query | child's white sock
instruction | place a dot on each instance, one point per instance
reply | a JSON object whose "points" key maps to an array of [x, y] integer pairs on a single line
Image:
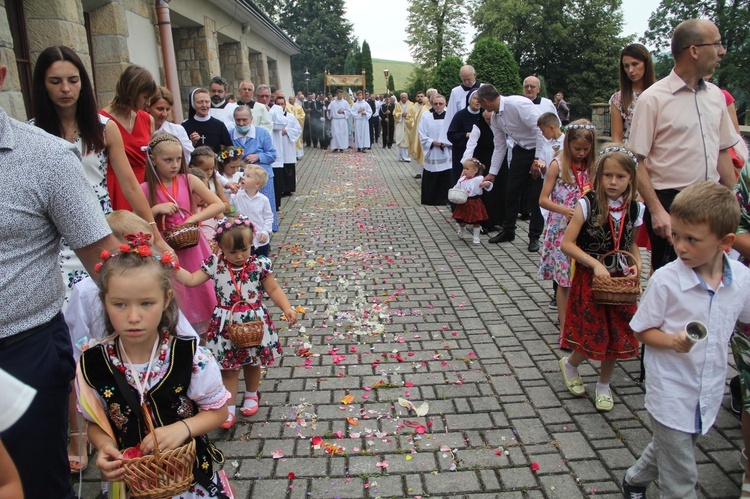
{"points": [[571, 371], [476, 239], [249, 403], [461, 231], [602, 388], [232, 409]]}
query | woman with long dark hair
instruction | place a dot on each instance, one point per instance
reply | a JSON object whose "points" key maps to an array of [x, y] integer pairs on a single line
{"points": [[636, 75], [66, 107]]}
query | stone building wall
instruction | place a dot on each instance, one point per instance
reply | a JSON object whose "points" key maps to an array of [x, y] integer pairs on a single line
{"points": [[11, 99]]}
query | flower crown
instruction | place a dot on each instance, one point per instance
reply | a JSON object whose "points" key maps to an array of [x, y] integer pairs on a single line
{"points": [[616, 149], [139, 244], [581, 127], [230, 153], [226, 224]]}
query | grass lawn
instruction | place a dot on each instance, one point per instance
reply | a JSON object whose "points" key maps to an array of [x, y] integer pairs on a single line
{"points": [[399, 69]]}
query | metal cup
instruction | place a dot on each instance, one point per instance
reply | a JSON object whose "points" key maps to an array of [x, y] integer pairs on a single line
{"points": [[696, 331]]}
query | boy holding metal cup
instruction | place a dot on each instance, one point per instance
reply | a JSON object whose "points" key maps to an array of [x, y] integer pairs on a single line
{"points": [[685, 382]]}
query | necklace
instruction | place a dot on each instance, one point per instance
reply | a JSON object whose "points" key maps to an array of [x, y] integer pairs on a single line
{"points": [[135, 378]]}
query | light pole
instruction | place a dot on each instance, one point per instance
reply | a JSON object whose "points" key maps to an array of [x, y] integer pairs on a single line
{"points": [[309, 105], [387, 112]]}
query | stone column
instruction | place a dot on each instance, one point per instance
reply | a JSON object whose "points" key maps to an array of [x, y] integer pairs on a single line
{"points": [[109, 40], [197, 57], [231, 59], [273, 74], [56, 23], [258, 68], [11, 98]]}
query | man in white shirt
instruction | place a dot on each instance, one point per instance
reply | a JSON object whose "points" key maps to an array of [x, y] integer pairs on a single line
{"points": [[514, 117], [286, 131]]}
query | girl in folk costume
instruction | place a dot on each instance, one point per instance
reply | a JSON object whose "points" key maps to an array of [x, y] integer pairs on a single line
{"points": [[566, 180], [172, 193], [436, 178], [473, 210], [240, 279], [604, 220], [230, 163], [142, 366]]}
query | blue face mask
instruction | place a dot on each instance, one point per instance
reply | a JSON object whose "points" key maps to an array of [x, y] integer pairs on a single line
{"points": [[243, 129]]}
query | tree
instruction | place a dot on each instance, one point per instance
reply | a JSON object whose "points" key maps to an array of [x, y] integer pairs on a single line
{"points": [[322, 33], [434, 30], [353, 62], [574, 44], [367, 67], [494, 64], [732, 17], [391, 83], [446, 75], [419, 80]]}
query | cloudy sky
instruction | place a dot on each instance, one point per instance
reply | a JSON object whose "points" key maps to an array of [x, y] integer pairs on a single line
{"points": [[383, 24]]}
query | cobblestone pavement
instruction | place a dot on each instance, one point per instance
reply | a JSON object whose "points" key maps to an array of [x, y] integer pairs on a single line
{"points": [[400, 311]]}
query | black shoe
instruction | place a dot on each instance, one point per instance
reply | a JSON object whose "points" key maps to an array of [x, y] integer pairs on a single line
{"points": [[632, 492], [533, 245], [552, 304], [503, 237], [418, 175], [525, 217]]}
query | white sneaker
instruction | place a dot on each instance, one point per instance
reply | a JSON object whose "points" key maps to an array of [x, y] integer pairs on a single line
{"points": [[407, 160], [476, 240]]}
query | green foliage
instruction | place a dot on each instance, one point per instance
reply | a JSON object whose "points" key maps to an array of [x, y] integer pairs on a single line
{"points": [[434, 29], [353, 62], [366, 63], [732, 17], [419, 80], [391, 82], [494, 64], [322, 32], [446, 75], [573, 44]]}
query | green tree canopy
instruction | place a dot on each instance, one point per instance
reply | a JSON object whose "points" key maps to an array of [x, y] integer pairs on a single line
{"points": [[573, 44], [446, 75], [434, 30], [419, 80], [366, 63], [321, 31], [494, 64], [732, 17]]}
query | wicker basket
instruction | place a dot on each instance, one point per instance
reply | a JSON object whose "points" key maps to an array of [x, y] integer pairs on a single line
{"points": [[181, 236], [244, 334], [160, 475], [457, 196], [617, 290]]}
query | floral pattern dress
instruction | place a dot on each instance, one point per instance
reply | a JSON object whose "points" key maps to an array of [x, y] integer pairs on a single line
{"points": [[95, 168], [234, 284], [627, 114], [555, 265]]}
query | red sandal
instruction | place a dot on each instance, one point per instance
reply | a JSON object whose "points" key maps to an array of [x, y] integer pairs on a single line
{"points": [[250, 411]]}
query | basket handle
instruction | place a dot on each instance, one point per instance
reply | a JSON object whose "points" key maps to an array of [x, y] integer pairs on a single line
{"points": [[150, 428], [231, 311], [626, 252], [164, 217]]}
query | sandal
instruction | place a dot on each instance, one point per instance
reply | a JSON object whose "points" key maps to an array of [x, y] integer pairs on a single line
{"points": [[80, 463], [231, 419], [250, 411], [574, 385], [745, 492], [604, 402]]}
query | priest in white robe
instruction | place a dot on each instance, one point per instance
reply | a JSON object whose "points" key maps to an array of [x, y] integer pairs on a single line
{"points": [[459, 97], [436, 175], [338, 112], [403, 116], [286, 131], [361, 113]]}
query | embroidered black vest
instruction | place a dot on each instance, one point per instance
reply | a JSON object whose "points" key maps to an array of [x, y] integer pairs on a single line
{"points": [[596, 239], [167, 400]]}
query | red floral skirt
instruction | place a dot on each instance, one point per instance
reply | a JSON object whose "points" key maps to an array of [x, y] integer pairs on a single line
{"points": [[471, 212], [598, 331]]}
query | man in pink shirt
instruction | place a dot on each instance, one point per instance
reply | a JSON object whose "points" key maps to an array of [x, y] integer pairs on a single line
{"points": [[682, 129]]}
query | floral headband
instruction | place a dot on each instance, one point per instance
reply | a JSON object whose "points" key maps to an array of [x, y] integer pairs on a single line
{"points": [[230, 153], [581, 127], [226, 224], [616, 149], [139, 244]]}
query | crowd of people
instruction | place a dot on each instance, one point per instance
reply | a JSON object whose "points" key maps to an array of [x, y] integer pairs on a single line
{"points": [[185, 214]]}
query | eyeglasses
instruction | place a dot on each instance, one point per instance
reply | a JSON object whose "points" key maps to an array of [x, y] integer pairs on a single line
{"points": [[720, 43], [529, 86]]}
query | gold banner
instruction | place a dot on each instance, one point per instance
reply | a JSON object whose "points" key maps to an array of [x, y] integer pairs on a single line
{"points": [[351, 80]]}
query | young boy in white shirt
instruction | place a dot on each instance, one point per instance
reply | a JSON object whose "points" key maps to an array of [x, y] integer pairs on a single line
{"points": [[685, 381], [255, 206]]}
